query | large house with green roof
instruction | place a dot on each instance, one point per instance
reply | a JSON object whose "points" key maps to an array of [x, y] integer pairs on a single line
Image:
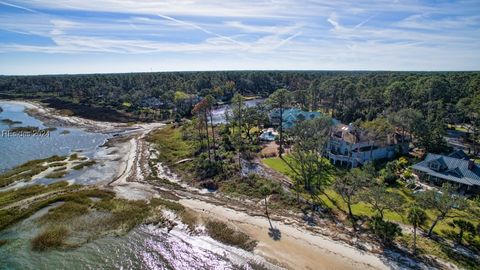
{"points": [[291, 116], [453, 168]]}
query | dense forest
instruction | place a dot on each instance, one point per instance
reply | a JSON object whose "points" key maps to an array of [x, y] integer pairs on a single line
{"points": [[378, 199], [348, 96]]}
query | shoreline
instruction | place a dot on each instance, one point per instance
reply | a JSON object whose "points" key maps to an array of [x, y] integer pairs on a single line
{"points": [[294, 249], [51, 117], [297, 247]]}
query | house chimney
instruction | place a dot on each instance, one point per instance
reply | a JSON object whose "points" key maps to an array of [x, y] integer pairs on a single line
{"points": [[471, 164]]}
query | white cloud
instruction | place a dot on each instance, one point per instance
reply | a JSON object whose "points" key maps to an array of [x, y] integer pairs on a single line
{"points": [[234, 8], [310, 34], [19, 7], [423, 21], [196, 26]]}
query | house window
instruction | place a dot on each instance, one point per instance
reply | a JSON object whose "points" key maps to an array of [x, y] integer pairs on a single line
{"points": [[433, 166]]}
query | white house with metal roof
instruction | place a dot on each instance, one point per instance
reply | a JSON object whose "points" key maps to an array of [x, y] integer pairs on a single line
{"points": [[439, 169]]}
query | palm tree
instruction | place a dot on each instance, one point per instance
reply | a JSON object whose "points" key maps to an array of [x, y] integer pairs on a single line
{"points": [[417, 217]]}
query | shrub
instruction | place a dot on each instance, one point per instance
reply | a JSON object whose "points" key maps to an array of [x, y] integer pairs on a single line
{"points": [[389, 173], [52, 238], [386, 231], [223, 233], [206, 168], [251, 186]]}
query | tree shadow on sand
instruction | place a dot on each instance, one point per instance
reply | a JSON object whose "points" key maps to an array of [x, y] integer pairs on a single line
{"points": [[273, 232]]}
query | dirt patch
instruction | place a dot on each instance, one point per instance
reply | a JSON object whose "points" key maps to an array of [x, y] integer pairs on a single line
{"points": [[270, 150]]}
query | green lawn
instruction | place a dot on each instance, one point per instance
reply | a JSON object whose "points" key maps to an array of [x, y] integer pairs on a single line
{"points": [[334, 201], [277, 164]]}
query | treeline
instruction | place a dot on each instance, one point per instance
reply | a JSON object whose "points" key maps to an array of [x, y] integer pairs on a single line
{"points": [[348, 96]]}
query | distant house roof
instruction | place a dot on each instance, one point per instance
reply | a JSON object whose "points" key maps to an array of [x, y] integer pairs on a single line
{"points": [[459, 154], [293, 115], [450, 168], [151, 102]]}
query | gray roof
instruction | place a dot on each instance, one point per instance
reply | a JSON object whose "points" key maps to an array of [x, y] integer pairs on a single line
{"points": [[455, 169], [459, 154]]}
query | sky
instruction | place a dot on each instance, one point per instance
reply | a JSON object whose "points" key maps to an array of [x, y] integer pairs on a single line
{"points": [[110, 36]]}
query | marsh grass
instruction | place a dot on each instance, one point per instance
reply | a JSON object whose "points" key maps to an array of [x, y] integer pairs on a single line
{"points": [[10, 122], [64, 212], [223, 233], [72, 219], [59, 169], [11, 196], [126, 215], [174, 206], [12, 215], [24, 129], [26, 171], [51, 238], [58, 164], [97, 193], [188, 218], [57, 173], [118, 215], [257, 266], [84, 164]]}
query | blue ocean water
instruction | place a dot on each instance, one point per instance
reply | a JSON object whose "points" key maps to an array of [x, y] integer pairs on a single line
{"points": [[15, 150]]}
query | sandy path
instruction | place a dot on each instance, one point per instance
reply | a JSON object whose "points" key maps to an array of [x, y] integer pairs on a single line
{"points": [[297, 248], [126, 185]]}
